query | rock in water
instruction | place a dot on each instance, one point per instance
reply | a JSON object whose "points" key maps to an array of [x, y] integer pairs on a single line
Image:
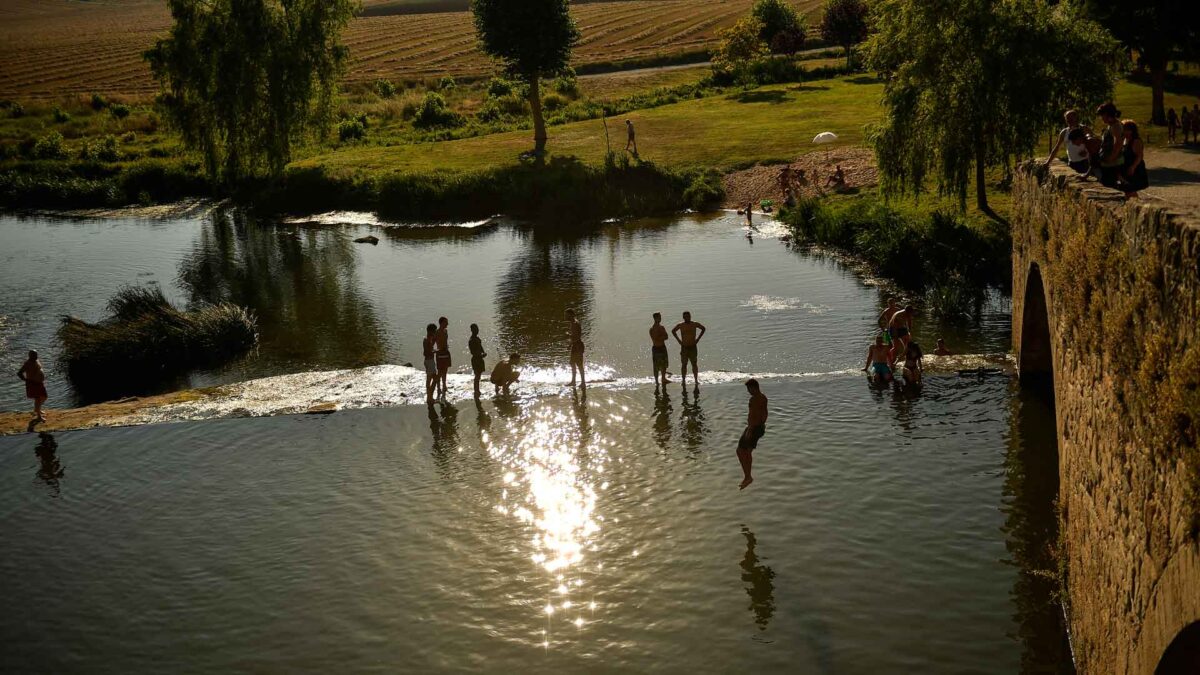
{"points": [[369, 239], [322, 409]]}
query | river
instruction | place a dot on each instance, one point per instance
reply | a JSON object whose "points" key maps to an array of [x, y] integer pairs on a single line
{"points": [[598, 530]]}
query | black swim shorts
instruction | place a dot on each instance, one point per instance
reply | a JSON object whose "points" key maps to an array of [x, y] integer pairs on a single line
{"points": [[749, 439]]}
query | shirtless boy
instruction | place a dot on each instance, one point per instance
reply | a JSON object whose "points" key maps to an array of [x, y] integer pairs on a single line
{"points": [[35, 383], [942, 350], [885, 318], [756, 428], [901, 325], [442, 340], [879, 360], [428, 347], [575, 338], [688, 333], [475, 346], [658, 351]]}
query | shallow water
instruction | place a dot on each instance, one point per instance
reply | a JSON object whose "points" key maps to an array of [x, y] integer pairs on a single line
{"points": [[886, 531]]}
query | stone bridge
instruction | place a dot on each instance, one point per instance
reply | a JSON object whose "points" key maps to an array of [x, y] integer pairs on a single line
{"points": [[1106, 319]]}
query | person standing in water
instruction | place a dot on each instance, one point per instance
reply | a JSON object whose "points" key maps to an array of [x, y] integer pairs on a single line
{"points": [[756, 428], [34, 377], [688, 333], [427, 353], [442, 340], [885, 319], [475, 346], [902, 326], [879, 359], [658, 351], [575, 338]]}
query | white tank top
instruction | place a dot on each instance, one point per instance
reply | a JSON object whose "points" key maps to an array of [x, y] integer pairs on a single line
{"points": [[1075, 153]]}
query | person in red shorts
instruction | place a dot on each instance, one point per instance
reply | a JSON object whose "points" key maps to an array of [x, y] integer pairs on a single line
{"points": [[35, 383]]}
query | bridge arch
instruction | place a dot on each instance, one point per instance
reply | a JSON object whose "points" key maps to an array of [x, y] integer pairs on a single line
{"points": [[1036, 353], [1183, 654]]}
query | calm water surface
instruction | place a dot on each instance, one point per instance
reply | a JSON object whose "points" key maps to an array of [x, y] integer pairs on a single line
{"points": [[886, 532]]}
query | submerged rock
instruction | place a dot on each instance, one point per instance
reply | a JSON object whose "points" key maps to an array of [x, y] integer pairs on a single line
{"points": [[369, 239]]}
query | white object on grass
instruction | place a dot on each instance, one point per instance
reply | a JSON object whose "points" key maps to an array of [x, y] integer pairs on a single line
{"points": [[825, 137]]}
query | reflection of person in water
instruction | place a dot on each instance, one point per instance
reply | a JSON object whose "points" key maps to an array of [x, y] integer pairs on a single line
{"points": [[760, 585], [579, 402], [49, 468], [662, 418], [445, 433], [692, 423]]}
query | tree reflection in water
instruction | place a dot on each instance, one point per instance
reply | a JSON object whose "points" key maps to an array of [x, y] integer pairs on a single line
{"points": [[760, 583], [302, 284], [1031, 525]]}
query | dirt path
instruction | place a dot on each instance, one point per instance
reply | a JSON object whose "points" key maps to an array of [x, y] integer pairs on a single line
{"points": [[762, 182], [1175, 175]]}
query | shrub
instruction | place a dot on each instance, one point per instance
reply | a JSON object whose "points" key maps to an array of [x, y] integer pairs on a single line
{"points": [[447, 83], [15, 109], [146, 339], [99, 102], [553, 102], [434, 112], [103, 150], [704, 191], [566, 85], [503, 108], [351, 130], [385, 88], [499, 87], [129, 137], [49, 146], [119, 110], [60, 116]]}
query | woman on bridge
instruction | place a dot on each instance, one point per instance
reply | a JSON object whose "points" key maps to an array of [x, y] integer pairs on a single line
{"points": [[1133, 177]]}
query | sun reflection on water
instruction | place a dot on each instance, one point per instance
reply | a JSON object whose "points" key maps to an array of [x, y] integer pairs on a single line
{"points": [[552, 462]]}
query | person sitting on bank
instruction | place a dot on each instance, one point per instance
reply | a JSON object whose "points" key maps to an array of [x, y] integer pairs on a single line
{"points": [[34, 377], [505, 373], [942, 350], [838, 179], [878, 360]]}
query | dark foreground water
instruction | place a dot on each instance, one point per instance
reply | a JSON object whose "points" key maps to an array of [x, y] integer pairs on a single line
{"points": [[887, 531]]}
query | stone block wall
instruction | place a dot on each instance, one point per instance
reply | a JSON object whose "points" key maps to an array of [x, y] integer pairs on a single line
{"points": [[1122, 296]]}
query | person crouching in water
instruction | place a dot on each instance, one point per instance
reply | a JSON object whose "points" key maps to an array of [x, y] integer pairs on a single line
{"points": [[756, 428], [878, 358], [913, 367], [505, 373]]}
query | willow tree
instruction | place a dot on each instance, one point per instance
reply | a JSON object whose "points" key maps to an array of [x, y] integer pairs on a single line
{"points": [[973, 84], [533, 39], [244, 80]]}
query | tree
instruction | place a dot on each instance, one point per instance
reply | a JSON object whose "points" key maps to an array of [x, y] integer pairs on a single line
{"points": [[1157, 30], [533, 39], [844, 23], [740, 46], [979, 90], [245, 79], [781, 27]]}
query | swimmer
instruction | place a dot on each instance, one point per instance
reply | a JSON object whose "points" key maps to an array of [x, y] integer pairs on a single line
{"points": [[688, 333], [756, 428], [878, 361], [941, 349]]}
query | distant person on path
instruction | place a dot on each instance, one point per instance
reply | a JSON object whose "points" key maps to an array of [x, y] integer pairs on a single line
{"points": [[879, 359], [913, 365], [756, 428], [631, 138], [942, 350], [1134, 179], [658, 351], [688, 333], [442, 341], [505, 373], [902, 326], [1172, 125], [1185, 123], [1112, 147], [575, 338], [1077, 160], [475, 346], [34, 377], [428, 349]]}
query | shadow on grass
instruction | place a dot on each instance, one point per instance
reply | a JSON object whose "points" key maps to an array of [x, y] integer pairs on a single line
{"points": [[1166, 176], [863, 79], [809, 87], [759, 96]]}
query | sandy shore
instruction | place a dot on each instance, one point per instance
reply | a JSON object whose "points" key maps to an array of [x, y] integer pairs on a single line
{"points": [[762, 182]]}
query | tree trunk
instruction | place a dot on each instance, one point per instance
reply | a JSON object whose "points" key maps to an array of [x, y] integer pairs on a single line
{"points": [[848, 47], [539, 122], [1158, 75], [981, 182]]}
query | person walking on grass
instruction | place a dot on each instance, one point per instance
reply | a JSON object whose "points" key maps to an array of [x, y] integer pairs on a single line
{"points": [[658, 352], [1112, 146], [428, 350], [688, 333], [1172, 125], [34, 377], [575, 340], [756, 428], [631, 138], [475, 346], [442, 342], [1134, 178], [1185, 123]]}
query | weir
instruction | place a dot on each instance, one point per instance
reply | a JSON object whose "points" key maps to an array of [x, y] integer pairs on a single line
{"points": [[1106, 311]]}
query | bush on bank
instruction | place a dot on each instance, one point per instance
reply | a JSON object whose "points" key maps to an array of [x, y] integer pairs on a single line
{"points": [[936, 252]]}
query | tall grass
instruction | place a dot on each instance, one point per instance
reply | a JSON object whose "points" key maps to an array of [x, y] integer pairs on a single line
{"points": [[147, 339]]}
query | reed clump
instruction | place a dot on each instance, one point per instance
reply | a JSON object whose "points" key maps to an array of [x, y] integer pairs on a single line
{"points": [[146, 338]]}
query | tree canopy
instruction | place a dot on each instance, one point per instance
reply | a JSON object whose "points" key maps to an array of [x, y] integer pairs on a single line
{"points": [[245, 79], [781, 28], [533, 39], [844, 23], [972, 84], [1157, 30], [740, 46]]}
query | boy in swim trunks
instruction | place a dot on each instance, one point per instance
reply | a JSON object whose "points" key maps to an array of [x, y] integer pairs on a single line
{"points": [[878, 360], [575, 337], [901, 325], [658, 351], [35, 383], [688, 333], [475, 346], [505, 373], [427, 353], [756, 428], [442, 355]]}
